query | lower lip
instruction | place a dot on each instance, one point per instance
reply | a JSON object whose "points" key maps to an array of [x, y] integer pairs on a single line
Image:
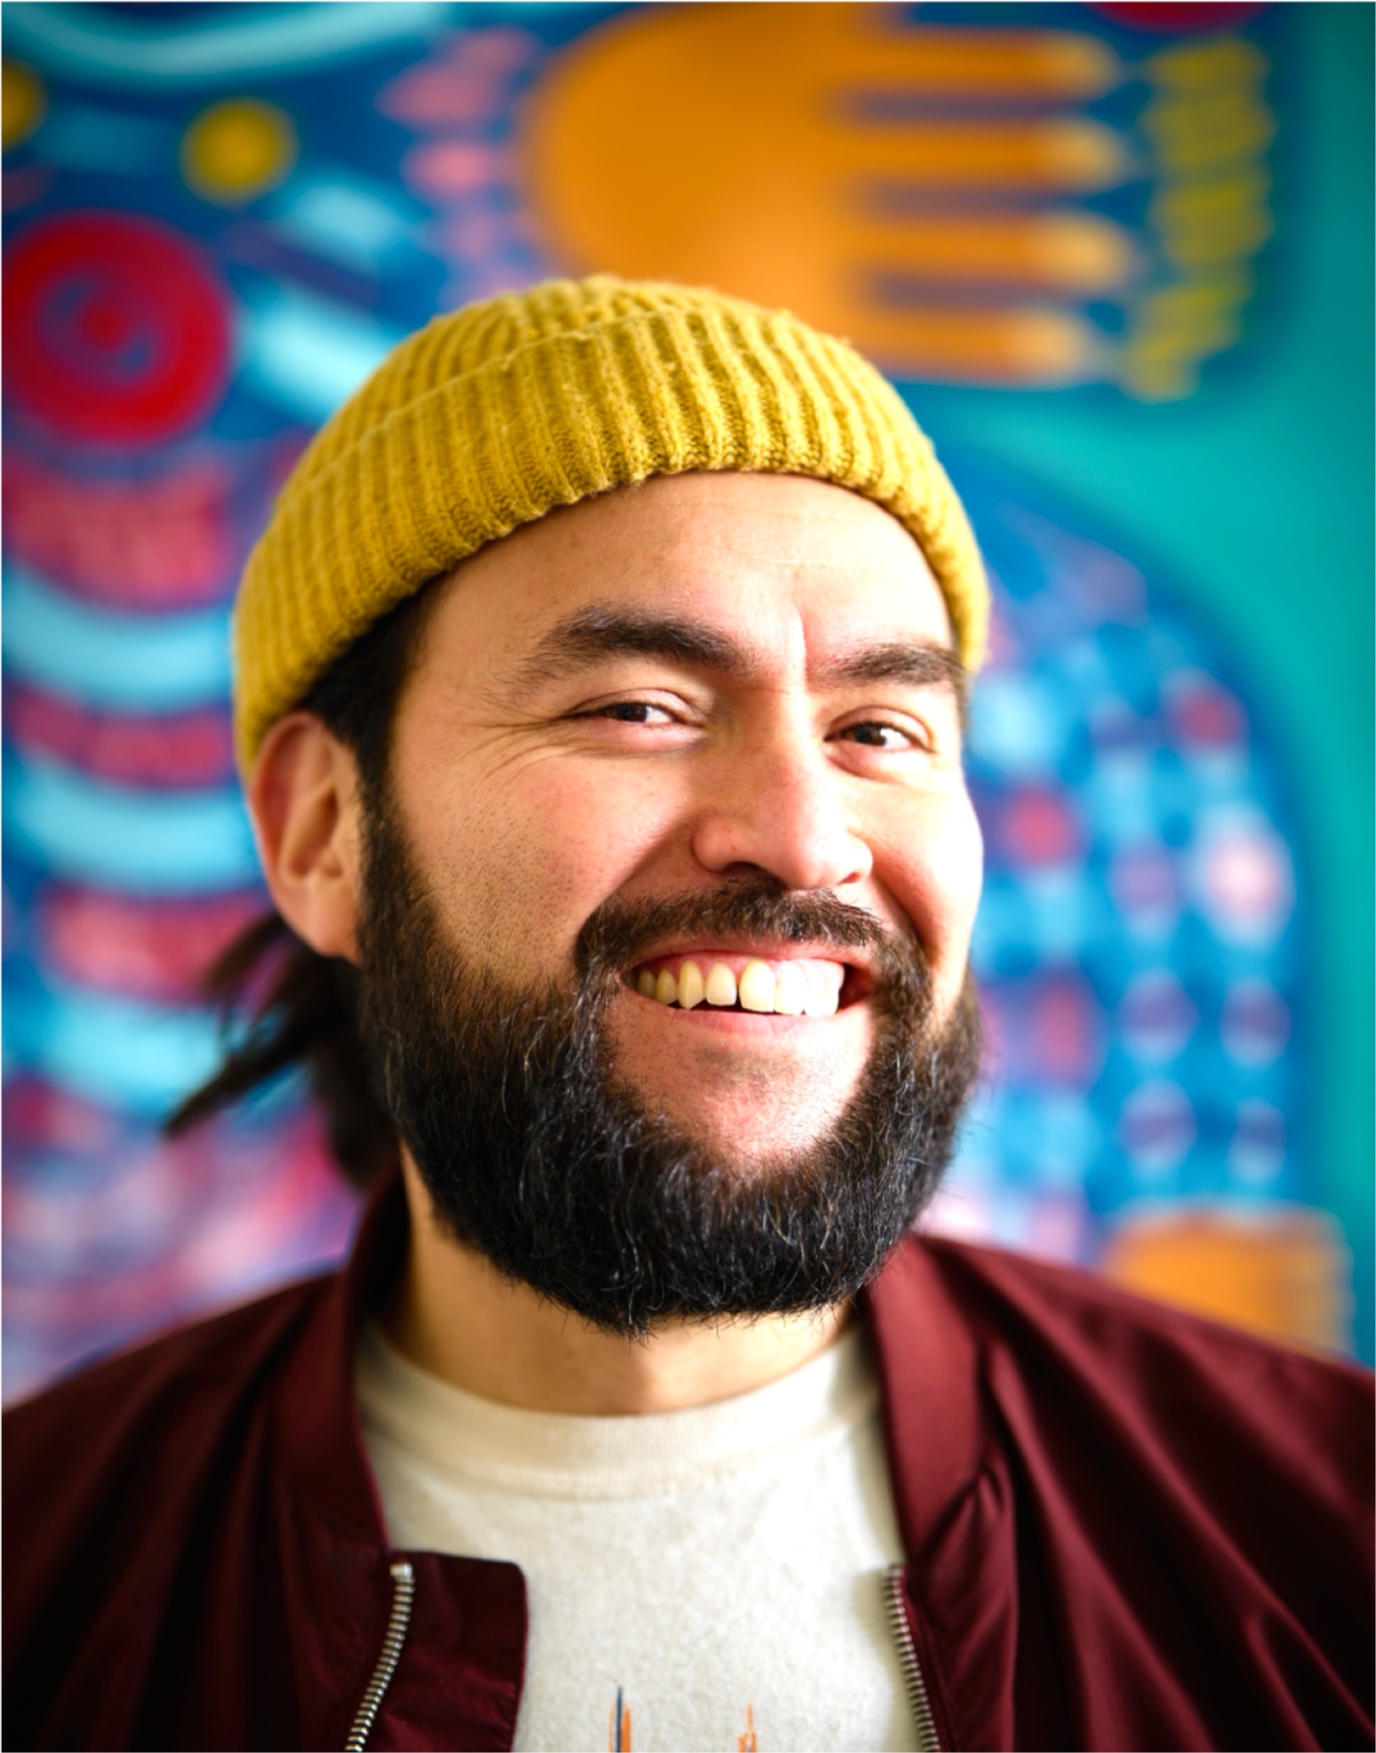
{"points": [[750, 1022]]}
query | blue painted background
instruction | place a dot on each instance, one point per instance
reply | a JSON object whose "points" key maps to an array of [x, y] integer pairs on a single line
{"points": [[1171, 748]]}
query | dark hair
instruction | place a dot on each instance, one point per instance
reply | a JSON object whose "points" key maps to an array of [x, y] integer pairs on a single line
{"points": [[282, 1004]]}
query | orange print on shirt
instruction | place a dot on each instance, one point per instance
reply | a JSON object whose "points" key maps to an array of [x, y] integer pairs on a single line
{"points": [[619, 1728]]}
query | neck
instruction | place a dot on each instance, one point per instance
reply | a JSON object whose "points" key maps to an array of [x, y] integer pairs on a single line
{"points": [[456, 1316]]}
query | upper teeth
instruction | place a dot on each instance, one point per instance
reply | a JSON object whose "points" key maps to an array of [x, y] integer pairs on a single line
{"points": [[793, 989]]}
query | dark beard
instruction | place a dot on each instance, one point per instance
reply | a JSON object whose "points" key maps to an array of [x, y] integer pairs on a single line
{"points": [[539, 1156]]}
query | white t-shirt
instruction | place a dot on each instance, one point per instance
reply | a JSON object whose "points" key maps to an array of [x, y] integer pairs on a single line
{"points": [[702, 1580]]}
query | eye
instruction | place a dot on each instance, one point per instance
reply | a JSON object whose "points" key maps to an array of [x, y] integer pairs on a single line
{"points": [[873, 733], [631, 712]]}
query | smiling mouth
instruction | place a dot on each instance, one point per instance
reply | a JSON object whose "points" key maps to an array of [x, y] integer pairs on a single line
{"points": [[716, 980]]}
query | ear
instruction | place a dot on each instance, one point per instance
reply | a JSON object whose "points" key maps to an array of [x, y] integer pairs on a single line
{"points": [[303, 796]]}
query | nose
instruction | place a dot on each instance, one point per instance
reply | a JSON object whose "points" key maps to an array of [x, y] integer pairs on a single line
{"points": [[778, 809]]}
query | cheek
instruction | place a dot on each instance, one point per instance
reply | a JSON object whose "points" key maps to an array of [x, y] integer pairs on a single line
{"points": [[521, 864], [934, 870]]}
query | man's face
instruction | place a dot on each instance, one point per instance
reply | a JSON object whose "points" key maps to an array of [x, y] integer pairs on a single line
{"points": [[710, 719], [706, 683]]}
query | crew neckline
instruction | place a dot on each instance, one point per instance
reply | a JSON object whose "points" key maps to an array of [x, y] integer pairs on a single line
{"points": [[553, 1454]]}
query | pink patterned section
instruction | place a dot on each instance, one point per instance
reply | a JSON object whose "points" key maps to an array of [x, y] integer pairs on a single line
{"points": [[463, 84], [154, 948], [184, 750], [156, 544], [124, 1232]]}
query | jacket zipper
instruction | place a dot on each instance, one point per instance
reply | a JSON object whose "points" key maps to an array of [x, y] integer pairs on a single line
{"points": [[907, 1660], [403, 1594]]}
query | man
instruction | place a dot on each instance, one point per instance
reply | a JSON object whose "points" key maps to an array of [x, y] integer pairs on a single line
{"points": [[600, 695]]}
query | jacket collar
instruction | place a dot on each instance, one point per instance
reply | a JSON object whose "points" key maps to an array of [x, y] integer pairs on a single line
{"points": [[929, 1372], [319, 1419], [924, 1351]]}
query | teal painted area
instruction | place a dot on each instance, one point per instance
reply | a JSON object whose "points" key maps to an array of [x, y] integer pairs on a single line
{"points": [[137, 1058], [107, 44], [1254, 498], [118, 837], [110, 659], [307, 354]]}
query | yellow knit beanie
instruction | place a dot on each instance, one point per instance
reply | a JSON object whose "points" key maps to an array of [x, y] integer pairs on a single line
{"points": [[493, 415]]}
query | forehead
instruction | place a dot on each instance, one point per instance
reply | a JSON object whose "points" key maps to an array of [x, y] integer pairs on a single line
{"points": [[789, 566]]}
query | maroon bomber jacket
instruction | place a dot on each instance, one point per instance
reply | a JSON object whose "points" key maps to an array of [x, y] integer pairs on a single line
{"points": [[1126, 1528]]}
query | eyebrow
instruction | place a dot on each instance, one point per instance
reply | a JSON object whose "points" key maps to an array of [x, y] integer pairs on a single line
{"points": [[594, 633]]}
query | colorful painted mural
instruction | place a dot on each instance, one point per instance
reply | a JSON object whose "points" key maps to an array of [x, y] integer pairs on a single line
{"points": [[219, 217]]}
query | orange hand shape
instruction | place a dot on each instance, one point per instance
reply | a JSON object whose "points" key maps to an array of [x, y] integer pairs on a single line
{"points": [[750, 147]]}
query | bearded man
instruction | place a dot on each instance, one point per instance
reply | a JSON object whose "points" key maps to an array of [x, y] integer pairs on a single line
{"points": [[600, 696]]}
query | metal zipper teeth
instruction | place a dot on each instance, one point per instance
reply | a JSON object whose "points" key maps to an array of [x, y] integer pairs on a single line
{"points": [[403, 1594], [907, 1660]]}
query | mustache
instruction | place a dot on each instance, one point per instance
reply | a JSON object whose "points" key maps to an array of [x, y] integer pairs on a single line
{"points": [[542, 1158], [619, 932]]}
